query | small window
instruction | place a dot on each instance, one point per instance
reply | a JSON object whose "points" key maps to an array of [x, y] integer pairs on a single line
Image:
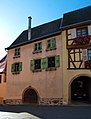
{"points": [[17, 51], [16, 67], [51, 43], [0, 78], [35, 65], [81, 32], [51, 62], [38, 64], [54, 61], [89, 54], [37, 47]]}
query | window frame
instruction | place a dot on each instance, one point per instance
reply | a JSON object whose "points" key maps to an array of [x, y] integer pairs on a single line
{"points": [[34, 67], [81, 32], [37, 64], [16, 68], [44, 64], [16, 53], [89, 54], [51, 44], [37, 47]]}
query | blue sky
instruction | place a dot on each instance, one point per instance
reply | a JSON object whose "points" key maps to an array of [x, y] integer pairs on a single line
{"points": [[14, 16]]}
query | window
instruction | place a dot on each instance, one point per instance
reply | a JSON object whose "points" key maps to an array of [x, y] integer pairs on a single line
{"points": [[89, 54], [51, 43], [51, 62], [86, 55], [16, 67], [0, 78], [35, 65], [17, 52], [54, 61], [45, 63], [37, 47], [81, 32]]}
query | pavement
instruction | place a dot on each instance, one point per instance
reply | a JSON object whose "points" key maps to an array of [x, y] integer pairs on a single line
{"points": [[72, 111]]}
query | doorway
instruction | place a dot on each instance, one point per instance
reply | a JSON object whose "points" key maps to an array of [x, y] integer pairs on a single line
{"points": [[81, 89], [30, 96]]}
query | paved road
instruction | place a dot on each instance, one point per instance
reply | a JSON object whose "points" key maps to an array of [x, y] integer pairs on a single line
{"points": [[52, 112]]}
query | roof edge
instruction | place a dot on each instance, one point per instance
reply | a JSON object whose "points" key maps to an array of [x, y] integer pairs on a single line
{"points": [[63, 27], [33, 40]]}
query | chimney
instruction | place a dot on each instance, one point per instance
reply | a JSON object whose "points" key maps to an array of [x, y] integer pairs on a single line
{"points": [[29, 27]]}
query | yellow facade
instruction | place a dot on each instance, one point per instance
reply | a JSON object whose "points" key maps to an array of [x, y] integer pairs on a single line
{"points": [[2, 88], [70, 75]]}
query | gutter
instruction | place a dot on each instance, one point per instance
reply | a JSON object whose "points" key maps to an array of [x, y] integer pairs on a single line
{"points": [[84, 22]]}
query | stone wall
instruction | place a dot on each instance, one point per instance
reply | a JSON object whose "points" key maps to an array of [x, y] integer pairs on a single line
{"points": [[42, 101]]}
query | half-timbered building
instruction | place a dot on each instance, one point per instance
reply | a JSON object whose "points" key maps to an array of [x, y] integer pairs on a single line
{"points": [[76, 42]]}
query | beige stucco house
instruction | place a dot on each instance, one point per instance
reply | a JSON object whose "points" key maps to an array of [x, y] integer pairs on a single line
{"points": [[3, 80], [51, 64], [34, 65]]}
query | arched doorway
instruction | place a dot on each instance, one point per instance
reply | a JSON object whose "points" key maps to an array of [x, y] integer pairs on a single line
{"points": [[30, 96], [81, 89]]}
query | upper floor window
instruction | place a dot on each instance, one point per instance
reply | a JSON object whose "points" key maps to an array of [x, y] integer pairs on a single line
{"points": [[89, 54], [16, 67], [45, 63], [81, 32], [17, 51], [37, 47], [51, 62], [37, 64], [51, 43]]}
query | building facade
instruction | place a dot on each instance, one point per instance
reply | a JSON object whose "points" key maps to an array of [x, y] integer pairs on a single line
{"points": [[3, 80], [35, 65], [50, 64], [76, 42]]}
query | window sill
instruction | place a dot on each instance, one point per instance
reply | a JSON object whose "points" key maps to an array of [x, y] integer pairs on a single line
{"points": [[38, 51], [37, 70], [51, 69], [18, 56], [14, 73], [50, 49]]}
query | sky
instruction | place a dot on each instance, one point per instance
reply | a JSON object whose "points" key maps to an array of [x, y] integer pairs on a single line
{"points": [[14, 16]]}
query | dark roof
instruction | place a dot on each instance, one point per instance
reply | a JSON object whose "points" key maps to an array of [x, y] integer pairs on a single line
{"points": [[38, 32], [79, 16]]}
